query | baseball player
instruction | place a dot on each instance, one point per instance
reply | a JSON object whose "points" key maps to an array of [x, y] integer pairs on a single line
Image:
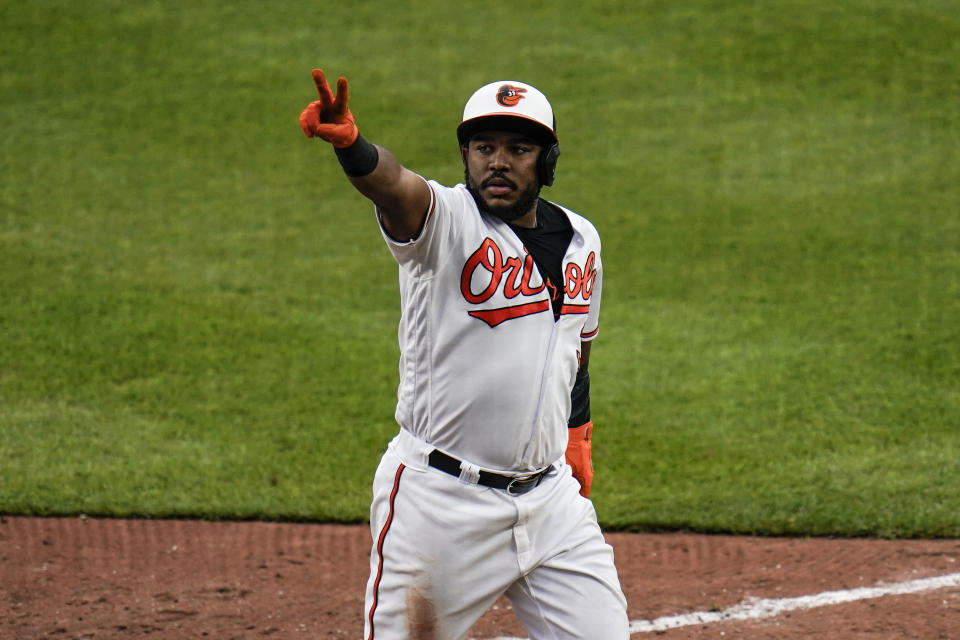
{"points": [[484, 491]]}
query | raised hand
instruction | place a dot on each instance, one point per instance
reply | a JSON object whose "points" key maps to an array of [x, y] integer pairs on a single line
{"points": [[329, 118]]}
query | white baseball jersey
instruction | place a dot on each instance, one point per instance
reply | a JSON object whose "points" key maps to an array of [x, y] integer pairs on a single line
{"points": [[485, 370]]}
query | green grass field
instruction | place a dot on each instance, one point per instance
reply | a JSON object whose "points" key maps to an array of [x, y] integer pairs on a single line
{"points": [[198, 316]]}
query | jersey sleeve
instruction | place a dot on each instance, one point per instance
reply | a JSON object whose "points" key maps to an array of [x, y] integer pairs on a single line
{"points": [[428, 250]]}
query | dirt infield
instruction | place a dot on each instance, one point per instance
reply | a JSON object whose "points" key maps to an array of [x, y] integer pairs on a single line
{"points": [[74, 578]]}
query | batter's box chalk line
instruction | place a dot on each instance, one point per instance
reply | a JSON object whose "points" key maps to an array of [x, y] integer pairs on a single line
{"points": [[758, 608]]}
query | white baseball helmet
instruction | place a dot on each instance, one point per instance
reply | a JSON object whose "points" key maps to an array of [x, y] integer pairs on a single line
{"points": [[514, 106], [511, 99]]}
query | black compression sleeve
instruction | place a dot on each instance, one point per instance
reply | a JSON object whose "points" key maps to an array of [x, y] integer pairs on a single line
{"points": [[580, 400], [359, 159]]}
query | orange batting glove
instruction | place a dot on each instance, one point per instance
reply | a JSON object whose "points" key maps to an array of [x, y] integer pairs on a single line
{"points": [[329, 118], [578, 456]]}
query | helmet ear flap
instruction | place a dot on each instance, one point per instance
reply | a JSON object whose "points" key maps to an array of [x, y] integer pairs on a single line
{"points": [[547, 164]]}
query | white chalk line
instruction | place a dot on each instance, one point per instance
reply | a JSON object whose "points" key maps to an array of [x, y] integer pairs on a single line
{"points": [[759, 608]]}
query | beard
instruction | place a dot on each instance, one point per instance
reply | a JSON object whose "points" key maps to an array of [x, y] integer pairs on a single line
{"points": [[508, 212]]}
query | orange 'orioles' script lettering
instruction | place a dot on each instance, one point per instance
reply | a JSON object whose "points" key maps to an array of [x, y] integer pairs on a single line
{"points": [[512, 275], [580, 281]]}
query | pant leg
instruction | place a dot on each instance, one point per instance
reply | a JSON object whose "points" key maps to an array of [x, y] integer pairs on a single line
{"points": [[441, 552], [572, 591]]}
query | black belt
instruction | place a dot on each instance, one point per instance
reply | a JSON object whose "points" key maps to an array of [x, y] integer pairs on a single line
{"points": [[514, 485]]}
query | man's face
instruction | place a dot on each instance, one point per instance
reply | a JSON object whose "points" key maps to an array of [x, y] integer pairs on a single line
{"points": [[501, 173]]}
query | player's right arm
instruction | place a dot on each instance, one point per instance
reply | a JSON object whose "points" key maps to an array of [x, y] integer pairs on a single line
{"points": [[580, 427], [401, 196]]}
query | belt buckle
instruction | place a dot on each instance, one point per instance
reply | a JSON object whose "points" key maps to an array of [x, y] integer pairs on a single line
{"points": [[521, 479]]}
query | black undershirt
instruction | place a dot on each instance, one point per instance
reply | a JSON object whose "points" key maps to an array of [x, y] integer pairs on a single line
{"points": [[547, 244]]}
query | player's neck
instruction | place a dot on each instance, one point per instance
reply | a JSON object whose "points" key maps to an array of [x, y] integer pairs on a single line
{"points": [[529, 219]]}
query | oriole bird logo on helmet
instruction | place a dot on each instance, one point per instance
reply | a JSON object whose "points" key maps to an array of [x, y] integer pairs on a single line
{"points": [[509, 95]]}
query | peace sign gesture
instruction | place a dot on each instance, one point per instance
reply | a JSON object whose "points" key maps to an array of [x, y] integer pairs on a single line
{"points": [[329, 118]]}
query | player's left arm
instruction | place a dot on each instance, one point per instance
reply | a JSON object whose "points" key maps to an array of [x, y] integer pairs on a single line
{"points": [[580, 426]]}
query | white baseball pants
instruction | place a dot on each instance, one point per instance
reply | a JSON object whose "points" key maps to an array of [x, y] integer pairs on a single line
{"points": [[444, 550]]}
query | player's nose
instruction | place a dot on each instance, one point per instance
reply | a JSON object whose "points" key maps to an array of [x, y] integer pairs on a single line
{"points": [[499, 160]]}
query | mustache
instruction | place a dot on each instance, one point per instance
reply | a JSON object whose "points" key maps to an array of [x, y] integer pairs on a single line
{"points": [[498, 175]]}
